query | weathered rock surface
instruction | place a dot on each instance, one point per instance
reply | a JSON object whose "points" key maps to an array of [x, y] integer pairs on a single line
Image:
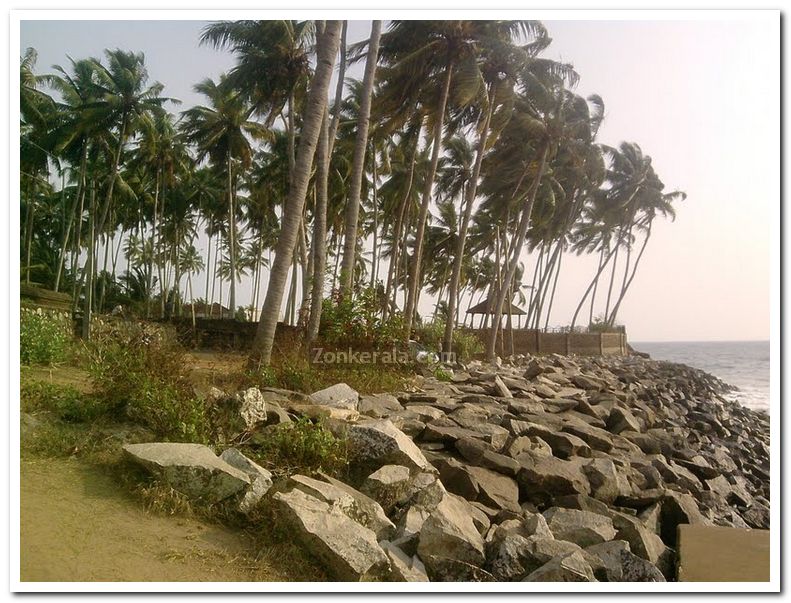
{"points": [[569, 568], [339, 395], [349, 551], [192, 469], [260, 478], [380, 442], [580, 527]]}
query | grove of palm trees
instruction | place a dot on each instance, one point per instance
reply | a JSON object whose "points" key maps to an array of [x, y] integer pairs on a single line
{"points": [[314, 324], [463, 167]]}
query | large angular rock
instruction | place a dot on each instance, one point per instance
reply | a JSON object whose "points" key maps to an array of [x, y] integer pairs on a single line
{"points": [[544, 478], [496, 490], [507, 556], [449, 532], [381, 443], [403, 568], [621, 565], [643, 542], [348, 550], [351, 502], [606, 482], [580, 527], [387, 485], [596, 438], [678, 508], [260, 478], [339, 395], [379, 405], [482, 454], [191, 469], [621, 419], [569, 568]]}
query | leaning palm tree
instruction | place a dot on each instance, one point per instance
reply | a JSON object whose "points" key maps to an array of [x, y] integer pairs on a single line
{"points": [[328, 40], [223, 132], [358, 163]]}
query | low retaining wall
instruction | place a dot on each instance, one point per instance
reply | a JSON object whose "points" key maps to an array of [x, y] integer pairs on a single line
{"points": [[531, 341], [226, 334]]}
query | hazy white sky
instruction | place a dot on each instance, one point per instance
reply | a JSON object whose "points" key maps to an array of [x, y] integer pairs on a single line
{"points": [[701, 97]]}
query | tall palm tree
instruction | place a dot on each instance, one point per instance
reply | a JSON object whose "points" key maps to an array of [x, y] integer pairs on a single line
{"points": [[223, 132], [327, 44], [358, 162]]}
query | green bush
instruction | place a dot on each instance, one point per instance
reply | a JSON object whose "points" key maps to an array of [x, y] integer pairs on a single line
{"points": [[140, 371], [301, 446], [68, 403], [358, 322], [44, 337], [465, 343]]}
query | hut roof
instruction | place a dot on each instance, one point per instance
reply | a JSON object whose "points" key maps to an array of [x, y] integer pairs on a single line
{"points": [[481, 308]]}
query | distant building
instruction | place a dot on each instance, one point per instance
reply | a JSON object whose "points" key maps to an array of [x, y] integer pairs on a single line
{"points": [[202, 310]]}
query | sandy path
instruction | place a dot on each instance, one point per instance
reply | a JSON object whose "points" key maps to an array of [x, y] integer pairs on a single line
{"points": [[76, 525]]}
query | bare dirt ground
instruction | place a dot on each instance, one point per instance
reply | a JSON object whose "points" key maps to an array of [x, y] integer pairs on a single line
{"points": [[78, 525]]}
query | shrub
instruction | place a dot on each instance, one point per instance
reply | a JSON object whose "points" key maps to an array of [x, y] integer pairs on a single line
{"points": [[68, 403], [140, 371], [358, 322], [465, 343], [296, 372], [44, 337], [302, 446]]}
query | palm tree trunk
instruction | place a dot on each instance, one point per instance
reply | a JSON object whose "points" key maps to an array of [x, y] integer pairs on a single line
{"points": [[89, 263], [471, 190], [625, 288], [595, 286], [519, 238], [414, 272], [114, 173], [231, 238], [77, 200], [595, 280], [392, 269], [319, 231], [358, 162], [375, 250], [327, 49]]}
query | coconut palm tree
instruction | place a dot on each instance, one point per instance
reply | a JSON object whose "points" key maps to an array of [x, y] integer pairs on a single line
{"points": [[358, 162], [224, 132], [327, 44]]}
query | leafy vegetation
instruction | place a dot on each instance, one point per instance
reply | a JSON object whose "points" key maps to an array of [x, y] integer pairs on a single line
{"points": [[300, 447], [140, 373], [44, 337]]}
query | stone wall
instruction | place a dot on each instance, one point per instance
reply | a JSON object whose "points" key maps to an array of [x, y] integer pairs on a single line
{"points": [[531, 341], [229, 334]]}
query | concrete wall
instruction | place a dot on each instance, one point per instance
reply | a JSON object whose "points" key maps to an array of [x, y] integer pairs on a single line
{"points": [[530, 341]]}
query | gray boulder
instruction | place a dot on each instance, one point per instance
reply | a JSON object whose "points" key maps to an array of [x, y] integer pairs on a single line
{"points": [[379, 405], [348, 550], [580, 527], [621, 565], [381, 443], [569, 568], [387, 485], [339, 395], [192, 469], [449, 532], [356, 505], [403, 568], [260, 478]]}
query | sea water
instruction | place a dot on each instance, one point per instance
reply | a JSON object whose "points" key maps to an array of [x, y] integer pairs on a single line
{"points": [[744, 364]]}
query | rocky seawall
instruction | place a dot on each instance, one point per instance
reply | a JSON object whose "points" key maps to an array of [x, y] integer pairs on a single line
{"points": [[547, 468]]}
